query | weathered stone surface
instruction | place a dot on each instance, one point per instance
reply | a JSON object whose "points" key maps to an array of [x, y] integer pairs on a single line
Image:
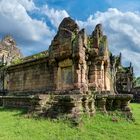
{"points": [[101, 103], [122, 77], [20, 101], [136, 93], [8, 50], [76, 75], [69, 24], [118, 102]]}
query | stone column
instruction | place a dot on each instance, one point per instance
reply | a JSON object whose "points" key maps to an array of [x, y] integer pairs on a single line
{"points": [[91, 106], [92, 76], [99, 76], [101, 103], [121, 103], [75, 106], [117, 102], [85, 104], [84, 81], [109, 102], [125, 100], [103, 76], [77, 76], [105, 70]]}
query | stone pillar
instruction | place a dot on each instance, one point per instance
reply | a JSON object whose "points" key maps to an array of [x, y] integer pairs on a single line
{"points": [[109, 102], [85, 104], [95, 75], [100, 76], [107, 78], [101, 103], [77, 76], [88, 105], [92, 76], [103, 76], [121, 102], [72, 105], [117, 102], [84, 81], [91, 106], [125, 100], [77, 109]]}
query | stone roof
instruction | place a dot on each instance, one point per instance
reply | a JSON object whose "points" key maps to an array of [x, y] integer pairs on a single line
{"points": [[69, 24], [36, 56]]}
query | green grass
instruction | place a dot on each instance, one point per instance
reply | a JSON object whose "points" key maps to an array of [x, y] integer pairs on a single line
{"points": [[14, 126]]}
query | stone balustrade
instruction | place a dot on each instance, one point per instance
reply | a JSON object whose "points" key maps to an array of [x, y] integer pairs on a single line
{"points": [[119, 102], [100, 102]]}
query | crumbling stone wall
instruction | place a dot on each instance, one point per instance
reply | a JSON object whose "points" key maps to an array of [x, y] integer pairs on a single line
{"points": [[29, 77], [136, 93], [122, 76], [99, 62]]}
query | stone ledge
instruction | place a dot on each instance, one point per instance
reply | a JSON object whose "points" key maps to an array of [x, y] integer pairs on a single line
{"points": [[124, 96], [19, 101], [44, 92]]}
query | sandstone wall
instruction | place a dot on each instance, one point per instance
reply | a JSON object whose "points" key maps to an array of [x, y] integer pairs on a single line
{"points": [[31, 76]]}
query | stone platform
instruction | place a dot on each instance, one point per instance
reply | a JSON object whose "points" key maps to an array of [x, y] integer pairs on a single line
{"points": [[72, 106]]}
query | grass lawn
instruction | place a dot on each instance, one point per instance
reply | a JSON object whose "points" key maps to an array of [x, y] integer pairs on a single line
{"points": [[14, 126]]}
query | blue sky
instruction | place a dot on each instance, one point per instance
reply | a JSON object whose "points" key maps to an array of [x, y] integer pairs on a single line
{"points": [[33, 23]]}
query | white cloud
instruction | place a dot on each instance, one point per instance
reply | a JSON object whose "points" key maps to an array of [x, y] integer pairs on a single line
{"points": [[133, 57], [15, 20], [55, 16], [32, 35], [123, 31], [28, 4]]}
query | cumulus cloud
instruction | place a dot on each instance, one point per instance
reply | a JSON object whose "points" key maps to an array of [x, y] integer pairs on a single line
{"points": [[34, 35], [15, 20], [28, 4], [55, 16], [133, 57], [123, 31]]}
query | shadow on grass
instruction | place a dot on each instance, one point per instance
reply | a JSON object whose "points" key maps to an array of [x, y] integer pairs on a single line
{"points": [[18, 112]]}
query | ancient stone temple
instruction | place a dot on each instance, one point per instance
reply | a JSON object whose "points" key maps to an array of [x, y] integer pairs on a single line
{"points": [[75, 76], [8, 50], [123, 82]]}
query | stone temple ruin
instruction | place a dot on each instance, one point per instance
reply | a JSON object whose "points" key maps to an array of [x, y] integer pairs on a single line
{"points": [[76, 75]]}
